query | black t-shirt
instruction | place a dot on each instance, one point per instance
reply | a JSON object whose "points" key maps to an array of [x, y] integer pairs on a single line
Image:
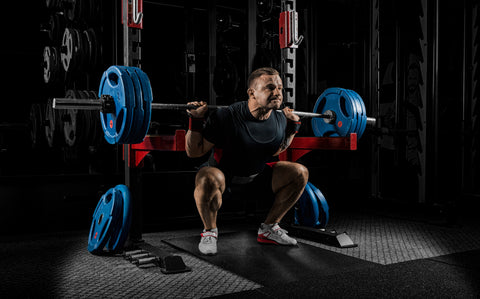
{"points": [[246, 142]]}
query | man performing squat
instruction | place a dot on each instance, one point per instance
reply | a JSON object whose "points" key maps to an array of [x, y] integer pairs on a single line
{"points": [[245, 136]]}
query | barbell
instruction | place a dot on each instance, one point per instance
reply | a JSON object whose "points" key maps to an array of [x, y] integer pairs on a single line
{"points": [[126, 102]]}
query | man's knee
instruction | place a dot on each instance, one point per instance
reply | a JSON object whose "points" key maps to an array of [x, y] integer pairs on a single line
{"points": [[291, 172], [299, 173], [210, 179]]}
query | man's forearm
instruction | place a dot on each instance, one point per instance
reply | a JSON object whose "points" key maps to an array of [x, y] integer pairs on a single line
{"points": [[194, 144], [285, 144], [292, 128]]}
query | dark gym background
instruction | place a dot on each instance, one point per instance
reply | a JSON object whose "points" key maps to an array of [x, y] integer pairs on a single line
{"points": [[416, 70], [408, 195]]}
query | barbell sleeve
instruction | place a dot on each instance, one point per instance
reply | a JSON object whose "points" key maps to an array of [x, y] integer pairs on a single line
{"points": [[89, 104], [80, 104], [371, 121]]}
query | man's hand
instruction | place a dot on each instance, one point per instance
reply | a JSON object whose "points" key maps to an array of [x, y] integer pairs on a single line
{"points": [[199, 112], [290, 115]]}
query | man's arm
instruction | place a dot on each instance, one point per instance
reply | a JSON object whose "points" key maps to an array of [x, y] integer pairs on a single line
{"points": [[293, 124], [195, 145]]}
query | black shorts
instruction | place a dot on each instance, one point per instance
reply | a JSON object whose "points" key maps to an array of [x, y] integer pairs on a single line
{"points": [[259, 188]]}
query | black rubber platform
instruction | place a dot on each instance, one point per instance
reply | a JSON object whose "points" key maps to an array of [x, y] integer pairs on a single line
{"points": [[269, 265]]}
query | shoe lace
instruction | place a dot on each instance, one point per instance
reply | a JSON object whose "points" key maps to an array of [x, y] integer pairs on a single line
{"points": [[278, 230], [207, 237]]}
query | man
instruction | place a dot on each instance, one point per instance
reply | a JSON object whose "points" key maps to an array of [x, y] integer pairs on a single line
{"points": [[245, 136]]}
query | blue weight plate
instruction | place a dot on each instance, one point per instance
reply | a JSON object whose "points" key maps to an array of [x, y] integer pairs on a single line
{"points": [[130, 102], [147, 102], [338, 101], [303, 204], [308, 212], [117, 126], [323, 209], [357, 109], [101, 228], [363, 115], [138, 112], [119, 237], [117, 222], [140, 133]]}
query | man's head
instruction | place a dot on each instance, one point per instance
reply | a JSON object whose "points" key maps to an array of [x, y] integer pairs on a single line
{"points": [[266, 88]]}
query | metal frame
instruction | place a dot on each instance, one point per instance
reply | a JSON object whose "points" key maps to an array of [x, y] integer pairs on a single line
{"points": [[132, 53], [212, 49], [252, 33], [424, 65], [432, 172], [469, 99], [373, 89], [288, 63]]}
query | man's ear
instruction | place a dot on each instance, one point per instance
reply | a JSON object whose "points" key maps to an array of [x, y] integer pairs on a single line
{"points": [[250, 92]]}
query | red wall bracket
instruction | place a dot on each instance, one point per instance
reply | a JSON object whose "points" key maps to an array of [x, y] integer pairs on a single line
{"points": [[299, 147], [303, 145]]}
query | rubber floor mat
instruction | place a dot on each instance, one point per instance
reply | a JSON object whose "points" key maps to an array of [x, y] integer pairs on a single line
{"points": [[240, 253]]}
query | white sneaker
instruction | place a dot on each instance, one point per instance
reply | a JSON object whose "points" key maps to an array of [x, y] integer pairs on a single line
{"points": [[208, 242], [274, 234]]}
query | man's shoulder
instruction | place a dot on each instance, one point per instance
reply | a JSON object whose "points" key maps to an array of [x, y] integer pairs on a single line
{"points": [[237, 108], [238, 105], [223, 113]]}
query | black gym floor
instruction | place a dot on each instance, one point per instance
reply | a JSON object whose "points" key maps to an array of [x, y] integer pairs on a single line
{"points": [[396, 257]]}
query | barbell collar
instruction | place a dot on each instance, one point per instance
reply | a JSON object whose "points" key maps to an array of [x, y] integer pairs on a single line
{"points": [[371, 121]]}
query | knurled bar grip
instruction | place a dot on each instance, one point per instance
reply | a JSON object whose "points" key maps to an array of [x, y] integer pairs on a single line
{"points": [[89, 104]]}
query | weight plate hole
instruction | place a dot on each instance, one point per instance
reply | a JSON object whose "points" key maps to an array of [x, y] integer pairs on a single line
{"points": [[108, 198], [113, 78]]}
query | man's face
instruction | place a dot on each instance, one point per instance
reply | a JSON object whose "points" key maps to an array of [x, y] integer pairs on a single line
{"points": [[268, 91]]}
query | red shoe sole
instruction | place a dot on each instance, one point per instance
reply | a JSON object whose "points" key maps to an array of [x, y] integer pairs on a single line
{"points": [[264, 240]]}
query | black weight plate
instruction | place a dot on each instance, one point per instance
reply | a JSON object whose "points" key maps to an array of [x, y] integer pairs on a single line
{"points": [[94, 48], [67, 49], [97, 124], [37, 120], [70, 119], [53, 125], [84, 126], [48, 73], [69, 8]]}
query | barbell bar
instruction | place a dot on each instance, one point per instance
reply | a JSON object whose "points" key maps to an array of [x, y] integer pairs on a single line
{"points": [[126, 101], [89, 104]]}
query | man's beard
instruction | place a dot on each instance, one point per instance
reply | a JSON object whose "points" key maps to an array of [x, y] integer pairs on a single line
{"points": [[275, 106]]}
